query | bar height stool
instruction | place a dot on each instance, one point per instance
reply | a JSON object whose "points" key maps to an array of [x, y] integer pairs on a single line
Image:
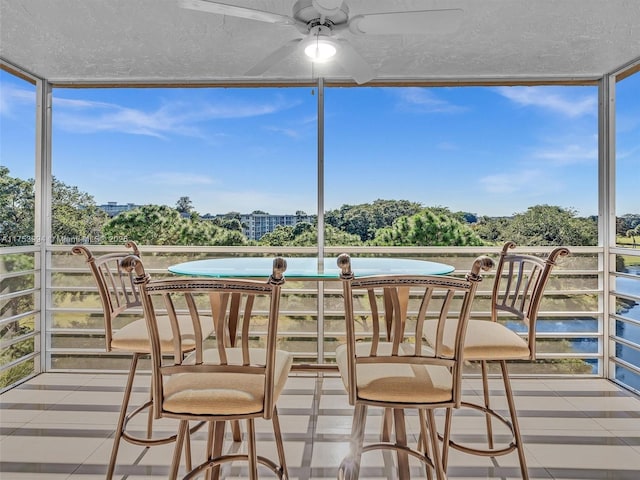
{"points": [[120, 296], [395, 369], [517, 292], [233, 378]]}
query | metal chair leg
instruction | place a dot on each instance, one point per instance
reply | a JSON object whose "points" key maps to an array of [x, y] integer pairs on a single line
{"points": [[208, 474], [387, 425], [511, 423], [423, 442], [446, 437], [217, 443], [123, 415], [277, 433], [487, 403], [401, 440], [435, 447], [251, 450], [514, 420], [150, 414], [350, 467], [183, 431]]}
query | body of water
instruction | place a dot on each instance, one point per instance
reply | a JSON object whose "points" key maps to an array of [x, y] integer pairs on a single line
{"points": [[590, 325], [629, 332]]}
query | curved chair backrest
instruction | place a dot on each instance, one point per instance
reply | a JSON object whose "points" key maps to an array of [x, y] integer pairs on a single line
{"points": [[239, 309], [519, 287], [402, 304], [115, 286]]}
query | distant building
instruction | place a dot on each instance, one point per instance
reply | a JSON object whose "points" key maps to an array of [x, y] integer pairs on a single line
{"points": [[113, 209], [255, 225]]}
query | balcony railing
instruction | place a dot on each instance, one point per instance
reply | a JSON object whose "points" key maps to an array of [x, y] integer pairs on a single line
{"points": [[59, 327]]}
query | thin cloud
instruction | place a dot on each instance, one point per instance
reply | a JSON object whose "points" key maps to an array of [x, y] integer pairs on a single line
{"points": [[122, 120], [423, 100], [289, 132], [73, 103], [551, 99], [530, 182], [172, 118], [14, 97], [627, 153], [569, 155], [309, 119]]}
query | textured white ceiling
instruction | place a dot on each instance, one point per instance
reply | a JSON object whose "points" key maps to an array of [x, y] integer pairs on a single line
{"points": [[156, 40]]}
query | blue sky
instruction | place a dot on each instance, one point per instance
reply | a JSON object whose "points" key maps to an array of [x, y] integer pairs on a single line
{"points": [[486, 150]]}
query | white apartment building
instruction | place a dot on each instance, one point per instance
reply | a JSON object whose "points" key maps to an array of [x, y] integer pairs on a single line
{"points": [[255, 225]]}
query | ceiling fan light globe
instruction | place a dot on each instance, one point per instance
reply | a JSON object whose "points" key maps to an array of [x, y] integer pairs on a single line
{"points": [[320, 51]]}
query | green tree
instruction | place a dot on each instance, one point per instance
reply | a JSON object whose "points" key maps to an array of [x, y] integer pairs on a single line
{"points": [[364, 219], [17, 209], [162, 225], [491, 229], [467, 217], [551, 225], [282, 235], [230, 221], [428, 227], [75, 218], [304, 234], [632, 233], [206, 233], [148, 225], [184, 205], [332, 237], [231, 224], [626, 222]]}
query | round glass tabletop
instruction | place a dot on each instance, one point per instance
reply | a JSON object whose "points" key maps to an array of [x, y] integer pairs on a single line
{"points": [[308, 267]]}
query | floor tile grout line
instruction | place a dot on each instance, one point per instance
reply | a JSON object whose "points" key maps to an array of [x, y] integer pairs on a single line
{"points": [[307, 454], [310, 438]]}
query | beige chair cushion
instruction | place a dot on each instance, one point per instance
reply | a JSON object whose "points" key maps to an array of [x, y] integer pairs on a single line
{"points": [[396, 383], [224, 393], [485, 340], [134, 336]]}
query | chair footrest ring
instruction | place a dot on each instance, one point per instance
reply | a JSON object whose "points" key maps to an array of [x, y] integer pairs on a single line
{"points": [[276, 469], [486, 452], [150, 442]]}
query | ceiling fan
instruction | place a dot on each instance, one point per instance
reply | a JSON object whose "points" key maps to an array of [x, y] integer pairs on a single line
{"points": [[322, 24]]}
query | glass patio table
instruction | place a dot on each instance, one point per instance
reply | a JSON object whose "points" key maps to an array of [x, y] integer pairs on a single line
{"points": [[308, 268]]}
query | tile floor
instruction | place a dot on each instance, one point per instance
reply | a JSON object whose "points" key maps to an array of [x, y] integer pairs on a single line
{"points": [[58, 426]]}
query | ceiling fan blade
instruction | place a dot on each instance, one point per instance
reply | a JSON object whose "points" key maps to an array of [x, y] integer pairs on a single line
{"points": [[327, 7], [275, 57], [235, 11], [417, 22], [353, 63]]}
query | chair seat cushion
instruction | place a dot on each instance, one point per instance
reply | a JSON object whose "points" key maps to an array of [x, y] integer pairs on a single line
{"points": [[134, 337], [484, 340], [220, 393], [396, 382]]}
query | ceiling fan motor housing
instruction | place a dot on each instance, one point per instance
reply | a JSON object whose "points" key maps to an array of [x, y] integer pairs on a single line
{"points": [[306, 12]]}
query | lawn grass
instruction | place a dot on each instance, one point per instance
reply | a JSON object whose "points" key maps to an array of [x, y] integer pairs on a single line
{"points": [[629, 260]]}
